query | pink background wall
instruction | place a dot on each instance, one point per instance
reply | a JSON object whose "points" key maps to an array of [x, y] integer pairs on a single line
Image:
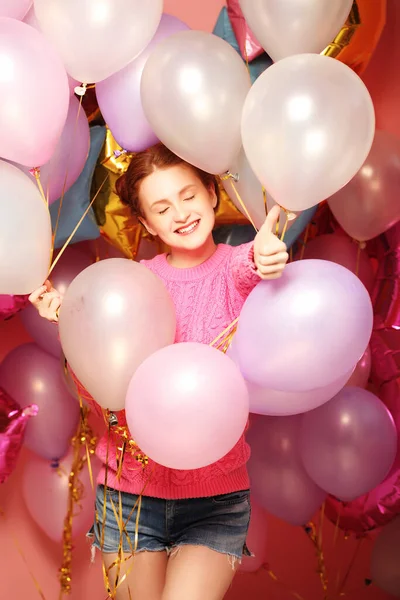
{"points": [[289, 552]]}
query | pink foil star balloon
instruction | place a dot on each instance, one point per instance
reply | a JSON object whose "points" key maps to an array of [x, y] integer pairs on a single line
{"points": [[13, 420]]}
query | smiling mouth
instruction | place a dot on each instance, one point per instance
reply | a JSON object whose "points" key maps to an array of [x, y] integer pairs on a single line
{"points": [[188, 228]]}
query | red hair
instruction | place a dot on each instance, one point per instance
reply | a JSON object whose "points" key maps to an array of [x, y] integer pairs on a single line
{"points": [[146, 162]]}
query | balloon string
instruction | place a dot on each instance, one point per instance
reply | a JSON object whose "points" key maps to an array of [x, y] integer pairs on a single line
{"points": [[264, 193], [351, 565], [281, 583], [231, 177], [77, 227], [22, 555], [226, 331], [67, 171], [311, 532], [36, 172]]}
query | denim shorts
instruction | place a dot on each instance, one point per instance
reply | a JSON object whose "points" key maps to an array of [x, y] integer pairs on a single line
{"points": [[218, 522]]}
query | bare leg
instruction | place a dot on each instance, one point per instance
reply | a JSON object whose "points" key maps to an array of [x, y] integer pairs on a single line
{"points": [[145, 575], [198, 573]]}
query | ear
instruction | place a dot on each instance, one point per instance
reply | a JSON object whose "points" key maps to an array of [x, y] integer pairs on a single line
{"points": [[213, 196], [147, 226]]}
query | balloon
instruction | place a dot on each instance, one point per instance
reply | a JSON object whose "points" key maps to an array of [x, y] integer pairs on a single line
{"points": [[278, 479], [287, 27], [296, 127], [45, 490], [387, 291], [314, 322], [343, 251], [43, 332], [370, 203], [29, 375], [69, 157], [193, 89], [97, 38], [349, 444], [119, 95], [277, 403], [251, 195], [114, 315], [10, 305], [13, 421], [249, 46], [30, 19], [198, 399], [28, 136], [385, 559], [16, 9], [256, 540], [359, 377], [383, 86], [224, 29], [25, 233]]}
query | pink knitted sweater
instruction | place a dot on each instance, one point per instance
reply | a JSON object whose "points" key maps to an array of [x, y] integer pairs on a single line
{"points": [[207, 299]]}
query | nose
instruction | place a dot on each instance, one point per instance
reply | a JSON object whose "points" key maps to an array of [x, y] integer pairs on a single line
{"points": [[181, 214]]}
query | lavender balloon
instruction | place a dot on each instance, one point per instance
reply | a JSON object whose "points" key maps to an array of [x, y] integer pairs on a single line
{"points": [[305, 330], [31, 376], [119, 95], [43, 332], [349, 445], [279, 481]]}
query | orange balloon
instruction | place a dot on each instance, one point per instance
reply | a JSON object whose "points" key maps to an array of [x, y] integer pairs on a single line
{"points": [[358, 38]]}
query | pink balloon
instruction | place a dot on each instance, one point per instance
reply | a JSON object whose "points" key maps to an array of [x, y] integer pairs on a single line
{"points": [[45, 490], [30, 19], [33, 87], [349, 444], [256, 540], [10, 305], [305, 330], [13, 421], [43, 332], [16, 9], [249, 46], [114, 315], [70, 154], [119, 95], [342, 250], [279, 481], [370, 203], [187, 406], [385, 559], [30, 375], [359, 377]]}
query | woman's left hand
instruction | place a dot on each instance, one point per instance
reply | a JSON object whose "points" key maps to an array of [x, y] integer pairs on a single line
{"points": [[270, 254]]}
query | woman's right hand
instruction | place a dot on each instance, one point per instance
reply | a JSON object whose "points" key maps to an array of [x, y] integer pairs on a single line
{"points": [[47, 301]]}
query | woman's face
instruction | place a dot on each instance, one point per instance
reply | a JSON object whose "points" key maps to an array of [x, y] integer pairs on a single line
{"points": [[177, 207]]}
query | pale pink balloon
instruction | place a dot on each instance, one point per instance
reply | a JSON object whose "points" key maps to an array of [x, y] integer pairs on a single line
{"points": [[15, 9], [43, 332], [34, 95], [45, 489], [70, 154], [114, 315], [96, 39], [361, 373], [343, 251], [32, 376], [187, 406], [256, 540], [30, 19], [370, 203]]}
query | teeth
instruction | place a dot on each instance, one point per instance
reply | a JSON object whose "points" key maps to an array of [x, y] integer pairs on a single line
{"points": [[188, 229]]}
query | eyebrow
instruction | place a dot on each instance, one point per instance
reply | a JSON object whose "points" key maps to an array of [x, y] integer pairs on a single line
{"points": [[182, 191]]}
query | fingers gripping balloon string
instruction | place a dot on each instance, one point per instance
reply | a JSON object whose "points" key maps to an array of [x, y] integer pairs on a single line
{"points": [[346, 34]]}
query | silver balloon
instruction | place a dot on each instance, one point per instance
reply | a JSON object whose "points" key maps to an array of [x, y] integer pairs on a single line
{"points": [[287, 27], [307, 127], [193, 89]]}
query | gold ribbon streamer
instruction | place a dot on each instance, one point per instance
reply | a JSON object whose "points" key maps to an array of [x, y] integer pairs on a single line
{"points": [[346, 34]]}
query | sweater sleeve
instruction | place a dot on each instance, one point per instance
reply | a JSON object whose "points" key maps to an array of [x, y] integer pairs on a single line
{"points": [[243, 269]]}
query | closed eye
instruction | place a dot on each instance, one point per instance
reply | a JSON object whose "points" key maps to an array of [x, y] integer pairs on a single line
{"points": [[162, 212], [190, 198]]}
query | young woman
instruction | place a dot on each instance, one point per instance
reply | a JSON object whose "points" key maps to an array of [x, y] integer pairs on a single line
{"points": [[193, 524]]}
